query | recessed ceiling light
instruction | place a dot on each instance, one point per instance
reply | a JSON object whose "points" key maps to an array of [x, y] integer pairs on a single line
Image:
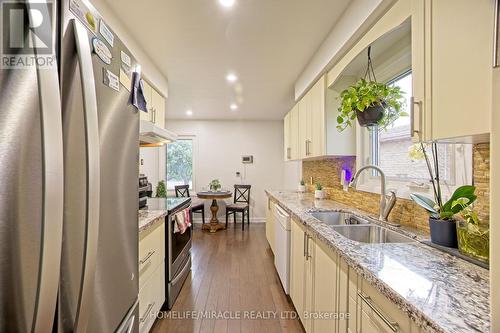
{"points": [[231, 77], [233, 106], [189, 112], [227, 3]]}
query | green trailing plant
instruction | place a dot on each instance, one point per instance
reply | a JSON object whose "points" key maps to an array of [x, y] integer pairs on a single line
{"points": [[302, 182], [319, 187], [161, 190], [437, 208], [215, 185], [467, 212], [365, 94]]}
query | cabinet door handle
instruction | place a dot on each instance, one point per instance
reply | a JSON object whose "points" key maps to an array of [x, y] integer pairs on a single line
{"points": [[412, 116], [146, 258], [391, 324], [305, 245], [308, 256], [148, 310], [496, 34], [289, 153]]}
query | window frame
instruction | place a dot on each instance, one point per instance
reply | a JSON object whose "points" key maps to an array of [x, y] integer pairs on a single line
{"points": [[194, 143]]}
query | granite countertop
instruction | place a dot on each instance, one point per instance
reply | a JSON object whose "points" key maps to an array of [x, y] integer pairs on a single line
{"points": [[441, 293], [148, 217]]}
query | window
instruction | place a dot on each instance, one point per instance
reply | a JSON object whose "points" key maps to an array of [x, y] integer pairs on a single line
{"points": [[180, 163], [389, 150]]}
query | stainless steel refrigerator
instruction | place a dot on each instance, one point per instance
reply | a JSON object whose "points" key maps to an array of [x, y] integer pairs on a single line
{"points": [[69, 146]]}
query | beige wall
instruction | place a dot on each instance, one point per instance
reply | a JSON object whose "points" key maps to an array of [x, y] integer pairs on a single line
{"points": [[219, 146], [353, 23]]}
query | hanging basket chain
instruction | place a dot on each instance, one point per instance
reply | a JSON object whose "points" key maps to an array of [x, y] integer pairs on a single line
{"points": [[370, 73]]}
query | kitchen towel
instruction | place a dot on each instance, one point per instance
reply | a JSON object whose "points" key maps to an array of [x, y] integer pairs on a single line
{"points": [[137, 98], [182, 221]]}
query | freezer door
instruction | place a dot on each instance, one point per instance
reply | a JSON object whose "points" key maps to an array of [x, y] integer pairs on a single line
{"points": [[31, 178], [101, 304]]}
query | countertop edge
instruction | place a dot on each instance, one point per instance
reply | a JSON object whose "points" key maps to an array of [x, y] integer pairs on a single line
{"points": [[419, 317], [147, 221]]}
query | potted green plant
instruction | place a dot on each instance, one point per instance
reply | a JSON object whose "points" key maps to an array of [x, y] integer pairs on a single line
{"points": [[371, 103], [319, 193], [473, 236], [442, 224], [302, 186], [215, 185], [161, 190]]}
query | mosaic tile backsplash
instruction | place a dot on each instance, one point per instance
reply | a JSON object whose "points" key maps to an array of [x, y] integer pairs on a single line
{"points": [[327, 172]]}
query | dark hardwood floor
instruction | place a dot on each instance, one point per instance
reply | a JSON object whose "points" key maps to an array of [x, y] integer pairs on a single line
{"points": [[232, 274]]}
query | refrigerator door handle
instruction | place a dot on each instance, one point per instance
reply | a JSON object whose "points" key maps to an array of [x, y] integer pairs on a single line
{"points": [[93, 175], [53, 192]]}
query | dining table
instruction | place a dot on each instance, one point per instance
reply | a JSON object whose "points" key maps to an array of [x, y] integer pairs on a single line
{"points": [[214, 224]]}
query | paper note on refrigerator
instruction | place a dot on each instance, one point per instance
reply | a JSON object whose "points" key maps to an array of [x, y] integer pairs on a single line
{"points": [[125, 79]]}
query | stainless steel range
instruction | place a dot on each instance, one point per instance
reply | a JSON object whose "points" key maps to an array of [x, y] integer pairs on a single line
{"points": [[178, 247]]}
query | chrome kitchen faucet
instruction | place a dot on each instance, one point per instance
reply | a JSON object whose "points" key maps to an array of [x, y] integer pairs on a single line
{"points": [[387, 201]]}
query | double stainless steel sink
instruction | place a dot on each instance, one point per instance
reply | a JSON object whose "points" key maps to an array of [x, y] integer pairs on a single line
{"points": [[359, 229]]}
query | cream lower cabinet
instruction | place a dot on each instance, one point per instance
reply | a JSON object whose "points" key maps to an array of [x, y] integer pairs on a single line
{"points": [[372, 312], [319, 283], [298, 267], [270, 223], [331, 297], [302, 273], [452, 47], [151, 274]]}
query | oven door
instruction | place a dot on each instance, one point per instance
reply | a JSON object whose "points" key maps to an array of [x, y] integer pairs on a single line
{"points": [[179, 247]]}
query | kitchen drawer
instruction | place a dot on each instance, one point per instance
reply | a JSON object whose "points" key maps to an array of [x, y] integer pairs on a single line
{"points": [[151, 250], [385, 308], [151, 298]]}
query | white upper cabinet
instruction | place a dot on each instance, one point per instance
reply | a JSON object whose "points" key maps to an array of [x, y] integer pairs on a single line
{"points": [[448, 47], [158, 104], [155, 104], [452, 47], [310, 127], [291, 132]]}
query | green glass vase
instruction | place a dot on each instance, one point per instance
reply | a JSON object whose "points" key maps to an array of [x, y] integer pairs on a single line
{"points": [[474, 240]]}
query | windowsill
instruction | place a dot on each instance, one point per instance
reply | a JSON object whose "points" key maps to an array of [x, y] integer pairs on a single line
{"points": [[401, 188]]}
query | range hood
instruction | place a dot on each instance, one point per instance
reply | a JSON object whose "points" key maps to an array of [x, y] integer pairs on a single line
{"points": [[151, 135]]}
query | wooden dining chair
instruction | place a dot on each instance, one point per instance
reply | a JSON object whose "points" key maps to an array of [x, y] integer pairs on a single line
{"points": [[241, 204], [182, 191]]}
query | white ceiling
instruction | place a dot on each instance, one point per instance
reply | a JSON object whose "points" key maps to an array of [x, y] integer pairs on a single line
{"points": [[195, 43]]}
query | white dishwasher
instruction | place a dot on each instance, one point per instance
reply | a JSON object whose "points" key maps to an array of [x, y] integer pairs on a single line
{"points": [[282, 246]]}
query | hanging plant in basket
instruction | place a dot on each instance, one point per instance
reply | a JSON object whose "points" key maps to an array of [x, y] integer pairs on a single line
{"points": [[370, 102]]}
